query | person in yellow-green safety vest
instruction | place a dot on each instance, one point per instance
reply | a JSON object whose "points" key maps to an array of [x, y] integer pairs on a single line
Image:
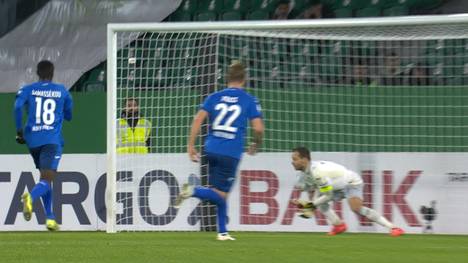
{"points": [[133, 131]]}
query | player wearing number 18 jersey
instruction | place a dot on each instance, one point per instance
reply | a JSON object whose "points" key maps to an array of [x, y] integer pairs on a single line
{"points": [[228, 112], [47, 104]]}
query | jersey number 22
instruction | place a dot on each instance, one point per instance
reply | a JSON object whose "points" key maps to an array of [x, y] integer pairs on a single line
{"points": [[227, 114]]}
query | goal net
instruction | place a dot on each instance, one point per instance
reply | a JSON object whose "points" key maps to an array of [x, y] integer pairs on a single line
{"points": [[386, 97]]}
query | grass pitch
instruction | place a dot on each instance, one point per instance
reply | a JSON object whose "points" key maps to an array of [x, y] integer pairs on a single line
{"points": [[193, 247]]}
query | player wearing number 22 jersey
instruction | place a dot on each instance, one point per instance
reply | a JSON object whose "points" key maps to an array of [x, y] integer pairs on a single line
{"points": [[47, 105], [228, 111]]}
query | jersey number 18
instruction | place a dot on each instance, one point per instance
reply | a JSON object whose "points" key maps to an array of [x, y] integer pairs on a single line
{"points": [[45, 112]]}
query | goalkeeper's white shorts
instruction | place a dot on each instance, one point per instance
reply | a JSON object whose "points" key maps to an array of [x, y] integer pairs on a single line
{"points": [[353, 190]]}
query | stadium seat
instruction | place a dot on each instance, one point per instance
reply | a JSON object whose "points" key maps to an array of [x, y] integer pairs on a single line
{"points": [[368, 49], [220, 76], [379, 4], [210, 6], [303, 48], [274, 50], [438, 48], [396, 11], [90, 87], [125, 77], [151, 76], [98, 74], [184, 76], [269, 74], [383, 4], [330, 67], [336, 48], [438, 73], [299, 4], [96, 80], [263, 5], [343, 12], [157, 49], [180, 16], [232, 48], [188, 6], [236, 5], [368, 12], [206, 16], [158, 70], [300, 73], [352, 4], [424, 4], [459, 46], [184, 53], [159, 77], [130, 55], [231, 16], [460, 59], [258, 15]]}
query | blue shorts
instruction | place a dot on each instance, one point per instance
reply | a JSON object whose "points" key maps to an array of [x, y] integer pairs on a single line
{"points": [[47, 156], [221, 171]]}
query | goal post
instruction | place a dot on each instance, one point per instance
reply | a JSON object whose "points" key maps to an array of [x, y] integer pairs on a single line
{"points": [[357, 86]]}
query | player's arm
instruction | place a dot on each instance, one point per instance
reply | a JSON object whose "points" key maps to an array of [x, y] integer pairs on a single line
{"points": [[149, 126], [258, 130], [194, 131], [311, 194], [256, 122], [326, 191], [68, 107], [19, 103]]}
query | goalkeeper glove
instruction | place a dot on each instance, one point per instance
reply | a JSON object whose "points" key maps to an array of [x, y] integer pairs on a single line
{"points": [[19, 137], [307, 213], [303, 204]]}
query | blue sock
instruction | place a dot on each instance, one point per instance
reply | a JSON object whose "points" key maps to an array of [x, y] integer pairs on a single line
{"points": [[47, 200], [40, 189], [211, 195]]}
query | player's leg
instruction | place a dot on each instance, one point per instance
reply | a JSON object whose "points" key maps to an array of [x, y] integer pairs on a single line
{"points": [[48, 175], [52, 162], [339, 225], [221, 175], [49, 160], [222, 172], [355, 203], [201, 192], [26, 197]]}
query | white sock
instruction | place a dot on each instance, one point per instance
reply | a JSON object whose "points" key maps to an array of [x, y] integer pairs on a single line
{"points": [[330, 214], [376, 217]]}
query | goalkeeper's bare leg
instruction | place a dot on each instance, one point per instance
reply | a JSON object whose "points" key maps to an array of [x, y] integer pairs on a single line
{"points": [[356, 204]]}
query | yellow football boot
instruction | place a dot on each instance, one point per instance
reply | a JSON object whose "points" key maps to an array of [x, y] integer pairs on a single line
{"points": [[27, 206], [52, 225]]}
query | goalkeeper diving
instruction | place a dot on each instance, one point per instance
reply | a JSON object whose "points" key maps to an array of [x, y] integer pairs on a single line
{"points": [[327, 182]]}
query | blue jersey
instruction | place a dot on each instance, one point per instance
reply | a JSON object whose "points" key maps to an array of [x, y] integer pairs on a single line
{"points": [[229, 111], [47, 104]]}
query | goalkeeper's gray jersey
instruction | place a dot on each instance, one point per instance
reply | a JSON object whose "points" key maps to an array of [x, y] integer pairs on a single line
{"points": [[322, 174]]}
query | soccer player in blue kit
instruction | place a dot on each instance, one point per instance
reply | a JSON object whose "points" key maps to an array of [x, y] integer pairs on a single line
{"points": [[47, 104], [228, 112]]}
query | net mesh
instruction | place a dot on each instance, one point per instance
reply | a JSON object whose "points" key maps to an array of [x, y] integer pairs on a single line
{"points": [[344, 89]]}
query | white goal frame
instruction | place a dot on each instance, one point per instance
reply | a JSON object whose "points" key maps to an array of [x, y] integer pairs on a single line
{"points": [[113, 29]]}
